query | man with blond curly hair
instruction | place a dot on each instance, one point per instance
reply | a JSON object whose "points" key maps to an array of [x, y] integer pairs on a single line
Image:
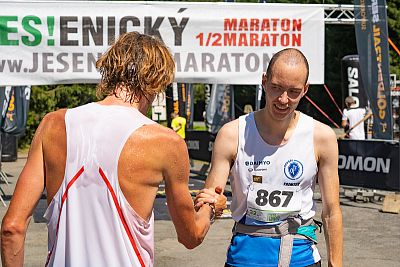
{"points": [[101, 165]]}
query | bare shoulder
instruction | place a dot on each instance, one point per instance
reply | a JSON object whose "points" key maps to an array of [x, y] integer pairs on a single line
{"points": [[229, 131], [226, 143], [159, 134], [53, 123], [325, 141], [323, 132], [54, 118], [159, 139]]}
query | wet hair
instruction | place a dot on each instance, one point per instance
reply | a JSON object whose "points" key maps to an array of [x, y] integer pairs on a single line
{"points": [[290, 56], [139, 62]]}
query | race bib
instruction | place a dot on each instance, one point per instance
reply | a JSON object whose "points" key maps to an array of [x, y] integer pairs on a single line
{"points": [[271, 203]]}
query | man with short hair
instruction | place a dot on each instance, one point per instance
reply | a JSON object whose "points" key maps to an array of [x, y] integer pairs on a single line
{"points": [[101, 165], [274, 157], [352, 119]]}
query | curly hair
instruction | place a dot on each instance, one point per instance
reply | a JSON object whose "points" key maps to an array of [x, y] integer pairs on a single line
{"points": [[139, 62]]}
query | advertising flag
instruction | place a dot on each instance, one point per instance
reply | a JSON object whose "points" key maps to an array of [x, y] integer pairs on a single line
{"points": [[373, 51], [16, 114], [220, 109]]}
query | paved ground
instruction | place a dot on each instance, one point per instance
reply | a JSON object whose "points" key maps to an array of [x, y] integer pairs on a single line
{"points": [[372, 238]]}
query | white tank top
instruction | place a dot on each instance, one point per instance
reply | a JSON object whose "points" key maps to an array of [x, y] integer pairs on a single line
{"points": [[90, 223], [292, 165]]}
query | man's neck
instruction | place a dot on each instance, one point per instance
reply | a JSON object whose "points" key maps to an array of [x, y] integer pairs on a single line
{"points": [[119, 101], [275, 132]]}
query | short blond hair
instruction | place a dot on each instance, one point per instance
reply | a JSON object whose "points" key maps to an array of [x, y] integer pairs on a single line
{"points": [[139, 62]]}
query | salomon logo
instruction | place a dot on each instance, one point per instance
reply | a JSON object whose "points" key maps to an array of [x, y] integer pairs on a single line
{"points": [[368, 164]]}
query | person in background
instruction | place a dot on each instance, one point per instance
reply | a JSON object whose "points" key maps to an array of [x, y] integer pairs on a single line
{"points": [[178, 124], [352, 119]]}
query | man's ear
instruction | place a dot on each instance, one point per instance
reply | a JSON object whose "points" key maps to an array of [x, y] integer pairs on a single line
{"points": [[264, 80], [306, 89], [264, 77]]}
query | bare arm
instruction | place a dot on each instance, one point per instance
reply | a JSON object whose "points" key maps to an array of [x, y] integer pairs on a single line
{"points": [[328, 179], [223, 156], [177, 128], [344, 123], [191, 226], [27, 193]]}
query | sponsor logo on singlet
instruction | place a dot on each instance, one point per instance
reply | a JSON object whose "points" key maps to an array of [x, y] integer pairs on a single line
{"points": [[257, 179], [257, 169], [291, 184], [257, 163], [293, 169]]}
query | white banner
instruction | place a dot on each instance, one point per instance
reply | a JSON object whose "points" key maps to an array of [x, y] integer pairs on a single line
{"points": [[59, 42]]}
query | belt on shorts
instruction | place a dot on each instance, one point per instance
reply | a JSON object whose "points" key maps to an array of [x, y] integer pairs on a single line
{"points": [[287, 231]]}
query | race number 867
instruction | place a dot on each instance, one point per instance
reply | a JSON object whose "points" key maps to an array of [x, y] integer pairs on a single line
{"points": [[274, 198]]}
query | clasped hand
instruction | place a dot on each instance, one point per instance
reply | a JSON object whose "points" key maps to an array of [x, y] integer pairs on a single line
{"points": [[212, 197]]}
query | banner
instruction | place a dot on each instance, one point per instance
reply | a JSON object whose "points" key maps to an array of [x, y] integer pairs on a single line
{"points": [[16, 113], [176, 95], [221, 108], [200, 145], [373, 51], [369, 163], [352, 83], [5, 95], [189, 106], [58, 42]]}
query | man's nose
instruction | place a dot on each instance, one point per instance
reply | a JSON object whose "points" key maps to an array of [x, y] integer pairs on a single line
{"points": [[283, 98]]}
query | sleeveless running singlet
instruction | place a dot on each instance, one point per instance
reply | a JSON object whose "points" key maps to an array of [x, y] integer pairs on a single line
{"points": [[269, 184], [90, 223]]}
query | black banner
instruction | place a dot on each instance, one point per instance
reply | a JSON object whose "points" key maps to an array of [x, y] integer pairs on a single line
{"points": [[176, 100], [189, 106], [5, 94], [352, 83], [200, 144], [370, 164], [16, 99], [373, 51], [220, 108]]}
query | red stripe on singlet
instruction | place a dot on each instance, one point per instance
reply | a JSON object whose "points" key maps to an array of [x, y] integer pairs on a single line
{"points": [[64, 197], [121, 216]]}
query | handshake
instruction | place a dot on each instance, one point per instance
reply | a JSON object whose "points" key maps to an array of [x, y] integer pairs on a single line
{"points": [[213, 197]]}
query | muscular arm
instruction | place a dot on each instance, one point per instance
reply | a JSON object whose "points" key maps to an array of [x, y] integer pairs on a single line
{"points": [[224, 153], [27, 193], [191, 227], [328, 179]]}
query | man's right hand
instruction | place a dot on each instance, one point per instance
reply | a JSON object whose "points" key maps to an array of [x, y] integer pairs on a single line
{"points": [[213, 197]]}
